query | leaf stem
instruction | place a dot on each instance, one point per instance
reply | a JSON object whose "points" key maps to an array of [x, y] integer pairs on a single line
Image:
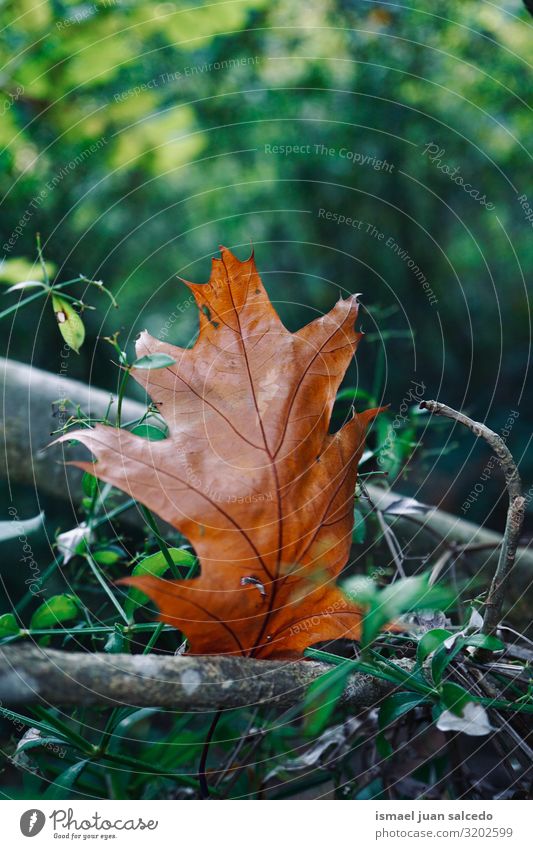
{"points": [[163, 547], [101, 580]]}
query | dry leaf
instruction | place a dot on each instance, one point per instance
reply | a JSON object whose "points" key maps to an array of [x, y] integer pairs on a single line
{"points": [[249, 473]]}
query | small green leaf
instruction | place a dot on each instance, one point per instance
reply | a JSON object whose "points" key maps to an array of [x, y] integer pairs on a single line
{"points": [[442, 658], [59, 608], [374, 620], [108, 556], [430, 642], [322, 697], [396, 705], [69, 322], [407, 594], [351, 393], [455, 697], [484, 641], [8, 625], [360, 588], [26, 284], [89, 484], [149, 432], [125, 725], [413, 593], [19, 269], [157, 565], [38, 741], [116, 641], [63, 785], [153, 361]]}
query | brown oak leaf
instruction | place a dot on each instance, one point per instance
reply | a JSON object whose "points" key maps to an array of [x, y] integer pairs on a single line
{"points": [[249, 473]]}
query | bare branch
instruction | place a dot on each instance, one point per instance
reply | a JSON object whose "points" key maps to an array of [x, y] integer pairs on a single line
{"points": [[192, 682]]}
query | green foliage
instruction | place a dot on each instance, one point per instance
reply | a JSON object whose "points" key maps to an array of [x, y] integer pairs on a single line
{"points": [[8, 625], [69, 322], [430, 642], [156, 564], [385, 606], [55, 610], [322, 697], [395, 705]]}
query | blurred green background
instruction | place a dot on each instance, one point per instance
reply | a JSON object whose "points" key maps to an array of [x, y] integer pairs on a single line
{"points": [[138, 136]]}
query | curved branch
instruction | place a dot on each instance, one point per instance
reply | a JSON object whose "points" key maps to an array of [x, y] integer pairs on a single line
{"points": [[515, 513]]}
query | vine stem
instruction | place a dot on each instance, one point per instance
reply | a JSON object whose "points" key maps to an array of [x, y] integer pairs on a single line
{"points": [[202, 767], [515, 512]]}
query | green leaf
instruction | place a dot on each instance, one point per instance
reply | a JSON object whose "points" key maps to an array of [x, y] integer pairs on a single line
{"points": [[125, 725], [20, 527], [29, 722], [484, 641], [59, 608], [410, 679], [407, 594], [430, 642], [455, 697], [109, 555], [36, 742], [360, 588], [413, 593], [149, 432], [8, 625], [351, 393], [396, 705], [157, 565], [69, 322], [89, 484], [116, 641], [153, 361], [442, 658], [394, 445], [27, 284], [19, 269], [322, 697], [64, 783], [374, 620]]}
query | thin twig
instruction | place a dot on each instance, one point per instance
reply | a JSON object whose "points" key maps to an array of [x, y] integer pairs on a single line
{"points": [[202, 774], [515, 513], [390, 537]]}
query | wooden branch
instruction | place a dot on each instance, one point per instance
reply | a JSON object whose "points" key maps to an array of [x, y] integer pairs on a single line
{"points": [[28, 419], [515, 513], [29, 673], [30, 412]]}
